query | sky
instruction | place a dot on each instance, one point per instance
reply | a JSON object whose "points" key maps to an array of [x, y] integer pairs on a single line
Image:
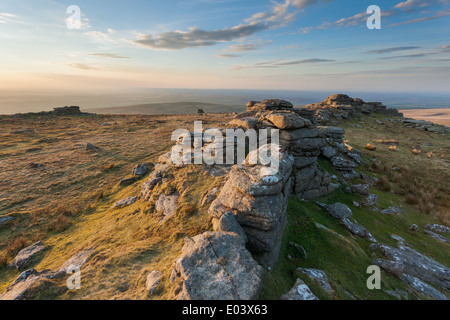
{"points": [[225, 44]]}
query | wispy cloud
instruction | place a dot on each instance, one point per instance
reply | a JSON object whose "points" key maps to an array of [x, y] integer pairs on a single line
{"points": [[406, 56], [279, 16], [246, 46], [109, 55], [409, 6], [102, 37], [7, 17], [81, 66], [280, 63], [413, 4], [227, 55], [395, 49], [438, 15]]}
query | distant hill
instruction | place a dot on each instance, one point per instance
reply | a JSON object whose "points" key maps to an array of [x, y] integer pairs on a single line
{"points": [[169, 108]]}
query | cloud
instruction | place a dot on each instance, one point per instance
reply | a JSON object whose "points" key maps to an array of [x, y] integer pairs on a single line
{"points": [[246, 46], [361, 18], [227, 55], [280, 63], [198, 38], [7, 17], [395, 49], [109, 55], [277, 17], [101, 37], [438, 15], [302, 4], [412, 4], [406, 56], [81, 66]]}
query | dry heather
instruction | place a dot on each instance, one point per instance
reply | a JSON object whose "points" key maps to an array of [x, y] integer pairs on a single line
{"points": [[419, 170]]}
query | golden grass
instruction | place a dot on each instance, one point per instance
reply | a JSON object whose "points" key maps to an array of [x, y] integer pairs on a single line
{"points": [[67, 201]]}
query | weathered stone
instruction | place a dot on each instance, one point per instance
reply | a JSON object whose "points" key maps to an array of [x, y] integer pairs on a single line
{"points": [[437, 236], [423, 287], [20, 288], [26, 255], [339, 211], [140, 170], [342, 164], [288, 121], [358, 230], [216, 266], [320, 277], [271, 104], [167, 205], [437, 228], [300, 291], [362, 189], [153, 281], [393, 210], [405, 260], [228, 223], [328, 152], [91, 147], [245, 123], [128, 181], [371, 200], [125, 202], [77, 260], [6, 219]]}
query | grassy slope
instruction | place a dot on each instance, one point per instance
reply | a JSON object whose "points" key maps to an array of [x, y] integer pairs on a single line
{"points": [[128, 242], [345, 259], [131, 242]]}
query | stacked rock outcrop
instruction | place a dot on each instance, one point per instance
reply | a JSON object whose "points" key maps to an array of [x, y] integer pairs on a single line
{"points": [[341, 106], [258, 199]]}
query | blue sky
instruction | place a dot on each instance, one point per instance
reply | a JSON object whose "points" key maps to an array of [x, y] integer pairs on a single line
{"points": [[254, 44]]}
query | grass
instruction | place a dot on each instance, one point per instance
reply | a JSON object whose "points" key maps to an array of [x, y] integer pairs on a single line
{"points": [[419, 184], [67, 203]]}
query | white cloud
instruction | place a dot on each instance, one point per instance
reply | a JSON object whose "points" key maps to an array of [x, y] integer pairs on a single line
{"points": [[277, 17], [81, 66], [7, 17]]}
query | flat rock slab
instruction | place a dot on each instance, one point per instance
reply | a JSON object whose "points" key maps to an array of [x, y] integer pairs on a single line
{"points": [[423, 288], [77, 260], [437, 228], [393, 210], [405, 260], [318, 276], [6, 219], [300, 291], [25, 255], [437, 236], [124, 202], [153, 281], [217, 266], [17, 291], [339, 211]]}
